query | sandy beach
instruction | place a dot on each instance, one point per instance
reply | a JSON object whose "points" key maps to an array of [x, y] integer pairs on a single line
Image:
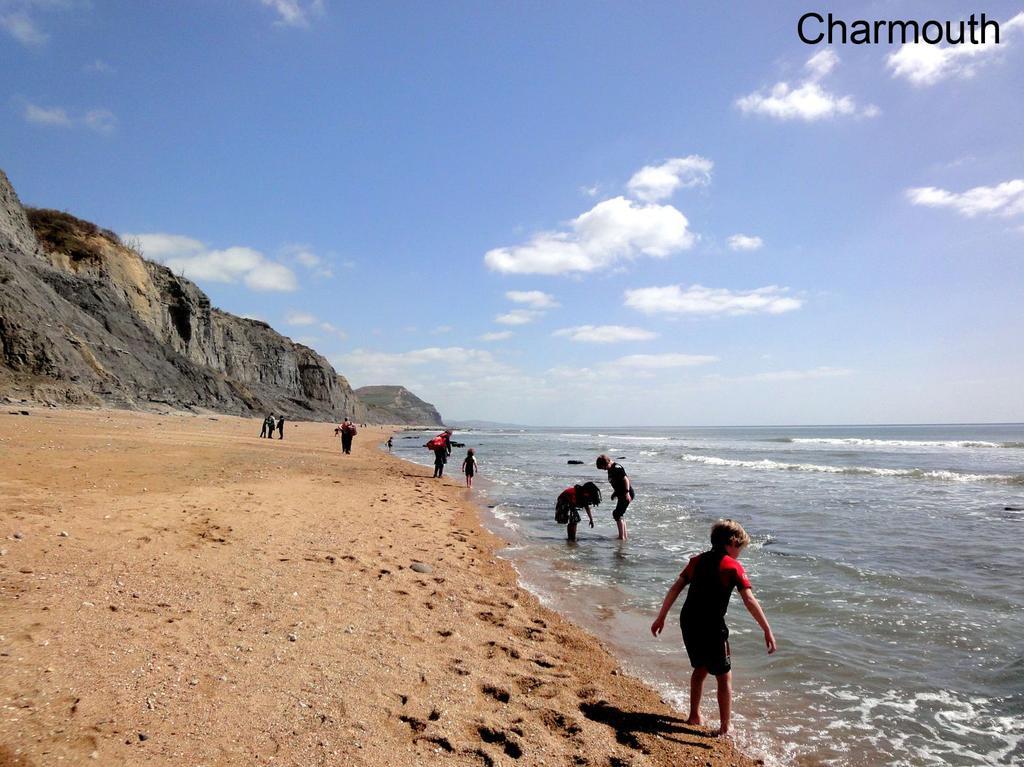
{"points": [[175, 590]]}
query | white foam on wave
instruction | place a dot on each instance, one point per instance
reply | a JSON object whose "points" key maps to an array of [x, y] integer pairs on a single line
{"points": [[874, 471], [632, 438], [866, 442]]}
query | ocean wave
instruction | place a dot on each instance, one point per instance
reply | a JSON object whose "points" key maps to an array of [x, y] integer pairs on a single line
{"points": [[939, 474], [866, 442], [634, 438]]}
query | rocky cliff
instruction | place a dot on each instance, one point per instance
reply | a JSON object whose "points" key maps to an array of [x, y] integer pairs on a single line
{"points": [[86, 320], [398, 405]]}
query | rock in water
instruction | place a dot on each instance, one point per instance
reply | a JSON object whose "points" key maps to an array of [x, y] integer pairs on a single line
{"points": [[573, 462]]}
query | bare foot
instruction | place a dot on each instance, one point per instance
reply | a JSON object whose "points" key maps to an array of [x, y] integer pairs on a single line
{"points": [[720, 733], [695, 720]]}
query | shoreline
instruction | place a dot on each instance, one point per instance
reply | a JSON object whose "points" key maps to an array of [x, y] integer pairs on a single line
{"points": [[183, 592]]}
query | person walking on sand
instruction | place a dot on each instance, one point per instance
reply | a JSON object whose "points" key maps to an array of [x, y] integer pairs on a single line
{"points": [[390, 442], [266, 426], [569, 503], [440, 459], [622, 490], [469, 466], [711, 577], [280, 426]]}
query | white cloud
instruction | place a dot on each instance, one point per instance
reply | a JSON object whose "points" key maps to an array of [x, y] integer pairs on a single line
{"points": [[611, 231], [99, 66], [1006, 199], [497, 336], [808, 100], [663, 361], [923, 64], [304, 255], [674, 299], [370, 365], [99, 120], [535, 299], [801, 375], [604, 334], [441, 329], [300, 318], [192, 259], [294, 13], [745, 242], [591, 191], [658, 182], [518, 317], [20, 26], [55, 116]]}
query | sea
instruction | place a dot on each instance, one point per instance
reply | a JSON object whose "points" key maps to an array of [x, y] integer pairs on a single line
{"points": [[888, 559]]}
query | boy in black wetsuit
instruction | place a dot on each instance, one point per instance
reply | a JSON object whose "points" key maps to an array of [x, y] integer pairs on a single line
{"points": [[622, 491], [711, 577]]}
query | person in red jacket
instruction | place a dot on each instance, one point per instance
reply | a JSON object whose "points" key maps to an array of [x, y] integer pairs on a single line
{"points": [[711, 577], [569, 503]]}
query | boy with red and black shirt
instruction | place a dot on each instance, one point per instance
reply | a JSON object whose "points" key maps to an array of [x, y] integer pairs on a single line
{"points": [[622, 490], [711, 577]]}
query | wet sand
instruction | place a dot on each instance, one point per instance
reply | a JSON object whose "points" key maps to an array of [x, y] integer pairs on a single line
{"points": [[176, 591]]}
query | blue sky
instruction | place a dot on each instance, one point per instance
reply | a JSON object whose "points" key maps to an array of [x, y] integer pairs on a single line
{"points": [[561, 213]]}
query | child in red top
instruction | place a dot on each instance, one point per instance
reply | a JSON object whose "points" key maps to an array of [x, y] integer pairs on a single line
{"points": [[711, 577], [569, 503]]}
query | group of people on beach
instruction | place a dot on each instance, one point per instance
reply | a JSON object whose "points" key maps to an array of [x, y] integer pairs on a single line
{"points": [[710, 577], [270, 424]]}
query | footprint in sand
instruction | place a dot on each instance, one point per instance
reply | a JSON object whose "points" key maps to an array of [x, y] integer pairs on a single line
{"points": [[500, 694]]}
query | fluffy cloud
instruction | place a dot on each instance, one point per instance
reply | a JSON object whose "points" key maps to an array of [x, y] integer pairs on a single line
{"points": [[535, 299], [194, 260], [745, 242], [500, 335], [664, 361], [658, 182], [99, 120], [801, 375], [21, 27], [807, 101], [304, 255], [300, 318], [294, 13], [613, 230], [55, 116], [518, 317], [923, 64], [1006, 199], [674, 299], [604, 334], [367, 365]]}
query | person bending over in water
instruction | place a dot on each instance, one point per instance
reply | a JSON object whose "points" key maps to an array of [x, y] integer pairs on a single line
{"points": [[711, 577], [469, 467], [569, 503], [622, 491]]}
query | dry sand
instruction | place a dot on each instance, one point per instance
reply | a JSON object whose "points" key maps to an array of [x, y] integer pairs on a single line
{"points": [[176, 591]]}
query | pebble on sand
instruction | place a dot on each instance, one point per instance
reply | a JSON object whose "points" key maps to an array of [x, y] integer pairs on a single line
{"points": [[421, 567]]}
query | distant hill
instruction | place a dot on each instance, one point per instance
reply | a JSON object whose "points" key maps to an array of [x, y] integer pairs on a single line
{"points": [[398, 405], [85, 320]]}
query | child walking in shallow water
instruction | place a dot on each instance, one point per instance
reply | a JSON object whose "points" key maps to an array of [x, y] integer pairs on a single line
{"points": [[469, 467], [711, 577]]}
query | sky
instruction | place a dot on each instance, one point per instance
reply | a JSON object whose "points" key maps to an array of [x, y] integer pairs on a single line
{"points": [[571, 213]]}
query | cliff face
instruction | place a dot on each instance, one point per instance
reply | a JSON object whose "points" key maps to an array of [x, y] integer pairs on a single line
{"points": [[398, 405], [84, 319]]}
